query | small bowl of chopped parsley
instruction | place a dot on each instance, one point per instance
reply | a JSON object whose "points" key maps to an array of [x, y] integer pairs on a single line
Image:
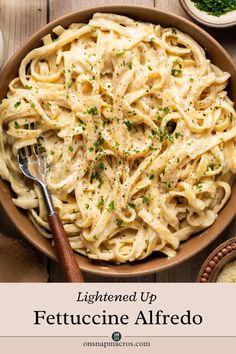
{"points": [[212, 13]]}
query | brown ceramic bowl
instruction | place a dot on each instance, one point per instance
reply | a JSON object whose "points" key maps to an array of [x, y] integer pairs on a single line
{"points": [[155, 262], [215, 262]]}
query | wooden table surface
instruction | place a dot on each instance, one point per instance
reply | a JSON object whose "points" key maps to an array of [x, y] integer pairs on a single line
{"points": [[18, 20]]}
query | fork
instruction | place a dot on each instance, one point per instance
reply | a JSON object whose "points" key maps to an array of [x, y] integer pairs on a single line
{"points": [[32, 165]]}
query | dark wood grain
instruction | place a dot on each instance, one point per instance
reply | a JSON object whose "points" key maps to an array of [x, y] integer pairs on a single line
{"points": [[65, 253]]}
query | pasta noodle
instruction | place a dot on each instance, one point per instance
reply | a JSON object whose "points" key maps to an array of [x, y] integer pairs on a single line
{"points": [[137, 132]]}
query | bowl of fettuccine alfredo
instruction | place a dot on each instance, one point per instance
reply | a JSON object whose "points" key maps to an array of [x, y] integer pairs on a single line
{"points": [[132, 109]]}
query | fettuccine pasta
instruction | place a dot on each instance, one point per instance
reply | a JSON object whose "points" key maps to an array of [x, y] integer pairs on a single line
{"points": [[137, 132]]}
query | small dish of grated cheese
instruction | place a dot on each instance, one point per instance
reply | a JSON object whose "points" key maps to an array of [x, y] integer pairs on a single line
{"points": [[228, 273]]}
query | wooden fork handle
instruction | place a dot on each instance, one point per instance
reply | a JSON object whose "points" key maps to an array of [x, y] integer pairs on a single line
{"points": [[65, 253]]}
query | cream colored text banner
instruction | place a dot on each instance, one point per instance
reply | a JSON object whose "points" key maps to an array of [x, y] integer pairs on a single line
{"points": [[128, 310]]}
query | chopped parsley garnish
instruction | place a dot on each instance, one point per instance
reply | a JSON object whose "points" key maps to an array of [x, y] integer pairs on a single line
{"points": [[119, 222], [176, 72], [101, 166], [120, 53], [128, 124], [86, 206], [16, 125], [70, 148], [173, 30], [28, 87], [98, 144], [146, 199], [164, 134], [149, 68], [111, 206], [133, 113], [199, 187], [162, 112], [131, 205], [96, 175], [91, 148], [191, 79], [92, 110], [130, 65], [95, 237], [215, 8], [69, 83], [17, 104], [100, 203], [32, 105], [151, 176]]}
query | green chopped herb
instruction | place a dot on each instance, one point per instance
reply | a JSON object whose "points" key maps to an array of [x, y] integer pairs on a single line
{"points": [[95, 237], [146, 199], [128, 124], [130, 65], [191, 79], [215, 7], [17, 104], [177, 70], [119, 222], [96, 175], [152, 40], [131, 205], [92, 110], [69, 84], [149, 68], [86, 206], [133, 113], [101, 166], [100, 203], [120, 53], [32, 105], [111, 206], [173, 30], [98, 144], [70, 148], [199, 187], [151, 176], [28, 87], [162, 112], [91, 148], [16, 125]]}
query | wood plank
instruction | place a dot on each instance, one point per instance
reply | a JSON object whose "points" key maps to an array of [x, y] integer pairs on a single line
{"points": [[170, 6], [59, 8], [13, 23], [15, 29]]}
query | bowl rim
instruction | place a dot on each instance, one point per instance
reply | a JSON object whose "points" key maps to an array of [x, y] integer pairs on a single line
{"points": [[204, 22], [133, 268], [216, 260]]}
